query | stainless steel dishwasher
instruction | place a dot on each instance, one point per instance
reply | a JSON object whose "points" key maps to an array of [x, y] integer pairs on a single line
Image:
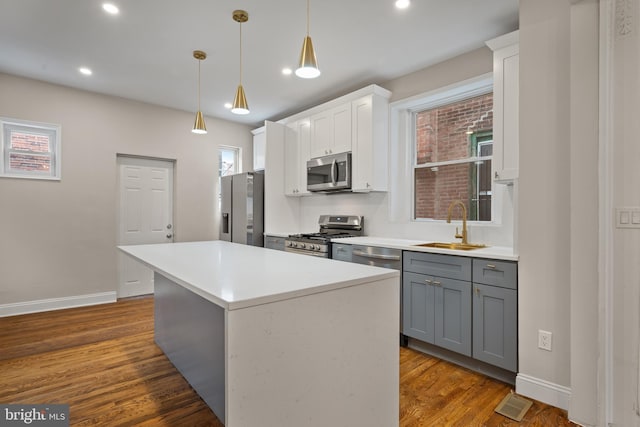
{"points": [[378, 257]]}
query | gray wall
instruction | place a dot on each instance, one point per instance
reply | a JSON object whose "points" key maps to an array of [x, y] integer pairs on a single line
{"points": [[59, 238]]}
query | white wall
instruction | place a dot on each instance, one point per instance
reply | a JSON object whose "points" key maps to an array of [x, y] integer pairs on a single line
{"points": [[626, 192], [544, 210], [376, 206], [59, 238], [584, 318]]}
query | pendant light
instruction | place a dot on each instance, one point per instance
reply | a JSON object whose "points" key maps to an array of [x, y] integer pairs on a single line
{"points": [[199, 127], [308, 67], [240, 105]]}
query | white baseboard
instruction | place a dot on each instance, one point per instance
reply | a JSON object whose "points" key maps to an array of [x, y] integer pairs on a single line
{"points": [[543, 391], [37, 306]]}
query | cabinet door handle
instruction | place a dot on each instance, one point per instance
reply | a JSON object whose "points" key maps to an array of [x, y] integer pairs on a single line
{"points": [[477, 290], [491, 266], [427, 281], [435, 282]]}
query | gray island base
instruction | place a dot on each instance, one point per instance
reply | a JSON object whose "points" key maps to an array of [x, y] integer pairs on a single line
{"points": [[269, 338]]}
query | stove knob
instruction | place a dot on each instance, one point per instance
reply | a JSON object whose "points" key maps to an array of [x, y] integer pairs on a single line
{"points": [[303, 246], [317, 247]]}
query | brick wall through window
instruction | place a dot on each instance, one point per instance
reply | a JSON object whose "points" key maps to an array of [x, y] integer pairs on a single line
{"points": [[442, 135], [29, 152]]}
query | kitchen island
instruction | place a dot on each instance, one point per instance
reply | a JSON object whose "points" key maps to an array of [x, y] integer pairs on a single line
{"points": [[269, 338]]}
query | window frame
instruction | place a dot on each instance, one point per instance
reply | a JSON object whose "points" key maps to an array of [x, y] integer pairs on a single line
{"points": [[55, 152], [403, 144], [238, 161]]}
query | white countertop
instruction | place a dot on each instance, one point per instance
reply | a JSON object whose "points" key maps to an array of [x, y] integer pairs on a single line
{"points": [[236, 276], [491, 252]]}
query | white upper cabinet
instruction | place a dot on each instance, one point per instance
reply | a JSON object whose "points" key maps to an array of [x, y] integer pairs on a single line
{"points": [[331, 131], [369, 143], [358, 123], [505, 107], [259, 148], [296, 154]]}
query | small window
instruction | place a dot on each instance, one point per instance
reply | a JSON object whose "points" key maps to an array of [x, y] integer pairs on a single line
{"points": [[228, 164], [29, 150], [452, 158]]}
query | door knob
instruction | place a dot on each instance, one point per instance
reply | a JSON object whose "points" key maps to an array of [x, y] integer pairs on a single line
{"points": [[169, 236]]}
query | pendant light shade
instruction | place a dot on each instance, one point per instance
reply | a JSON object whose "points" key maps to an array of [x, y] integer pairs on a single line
{"points": [[308, 65], [240, 105], [199, 127]]}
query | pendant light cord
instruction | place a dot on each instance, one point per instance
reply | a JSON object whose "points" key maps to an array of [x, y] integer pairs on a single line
{"points": [[308, 18], [199, 61], [241, 53]]}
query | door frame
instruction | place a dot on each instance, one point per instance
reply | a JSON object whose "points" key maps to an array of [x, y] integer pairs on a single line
{"points": [[172, 177]]}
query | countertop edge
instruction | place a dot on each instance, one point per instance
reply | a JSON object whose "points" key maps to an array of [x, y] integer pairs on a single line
{"points": [[264, 299], [310, 291], [491, 252]]}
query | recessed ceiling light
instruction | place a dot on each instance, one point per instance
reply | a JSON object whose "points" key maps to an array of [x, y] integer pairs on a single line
{"points": [[86, 71], [286, 71], [110, 8], [227, 105], [402, 4]]}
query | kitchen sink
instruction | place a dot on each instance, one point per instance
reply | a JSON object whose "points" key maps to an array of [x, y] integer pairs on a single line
{"points": [[456, 246]]}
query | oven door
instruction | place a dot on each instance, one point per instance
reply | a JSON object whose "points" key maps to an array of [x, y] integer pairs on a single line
{"points": [[329, 173], [305, 252]]}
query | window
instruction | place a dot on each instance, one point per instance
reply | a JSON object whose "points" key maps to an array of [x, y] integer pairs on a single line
{"points": [[29, 150], [228, 164], [452, 157]]}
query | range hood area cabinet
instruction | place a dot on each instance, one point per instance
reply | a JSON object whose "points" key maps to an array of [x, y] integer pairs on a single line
{"points": [[331, 131], [505, 107], [357, 122]]}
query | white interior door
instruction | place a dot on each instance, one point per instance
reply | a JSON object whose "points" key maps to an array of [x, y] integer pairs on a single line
{"points": [[145, 216]]}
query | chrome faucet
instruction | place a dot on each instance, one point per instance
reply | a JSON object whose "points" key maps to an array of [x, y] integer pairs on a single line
{"points": [[462, 236]]}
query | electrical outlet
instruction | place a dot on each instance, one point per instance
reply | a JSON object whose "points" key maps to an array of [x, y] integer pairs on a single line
{"points": [[544, 340]]}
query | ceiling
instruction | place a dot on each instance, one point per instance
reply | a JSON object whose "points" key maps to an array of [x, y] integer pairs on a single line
{"points": [[145, 52]]}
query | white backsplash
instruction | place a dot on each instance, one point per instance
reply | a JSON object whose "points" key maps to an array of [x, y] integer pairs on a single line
{"points": [[375, 209]]}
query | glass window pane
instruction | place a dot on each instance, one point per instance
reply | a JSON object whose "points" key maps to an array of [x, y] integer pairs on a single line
{"points": [[29, 163], [437, 187], [25, 141], [445, 133], [228, 161]]}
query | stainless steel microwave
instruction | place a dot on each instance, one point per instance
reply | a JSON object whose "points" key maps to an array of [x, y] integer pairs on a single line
{"points": [[329, 173]]}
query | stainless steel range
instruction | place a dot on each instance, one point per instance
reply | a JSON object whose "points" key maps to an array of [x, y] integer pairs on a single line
{"points": [[332, 227]]}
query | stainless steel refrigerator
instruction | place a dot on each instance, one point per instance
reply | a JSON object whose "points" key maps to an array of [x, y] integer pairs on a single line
{"points": [[242, 208]]}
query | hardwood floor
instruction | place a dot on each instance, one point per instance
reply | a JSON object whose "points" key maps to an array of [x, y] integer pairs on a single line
{"points": [[102, 361]]}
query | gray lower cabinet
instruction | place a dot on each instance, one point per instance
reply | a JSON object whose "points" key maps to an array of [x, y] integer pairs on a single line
{"points": [[274, 242], [465, 305], [495, 313], [437, 309]]}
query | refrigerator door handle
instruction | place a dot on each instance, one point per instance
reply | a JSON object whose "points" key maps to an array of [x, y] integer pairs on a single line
{"points": [[225, 223]]}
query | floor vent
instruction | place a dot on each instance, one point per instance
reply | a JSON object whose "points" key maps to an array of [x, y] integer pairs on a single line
{"points": [[514, 406]]}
